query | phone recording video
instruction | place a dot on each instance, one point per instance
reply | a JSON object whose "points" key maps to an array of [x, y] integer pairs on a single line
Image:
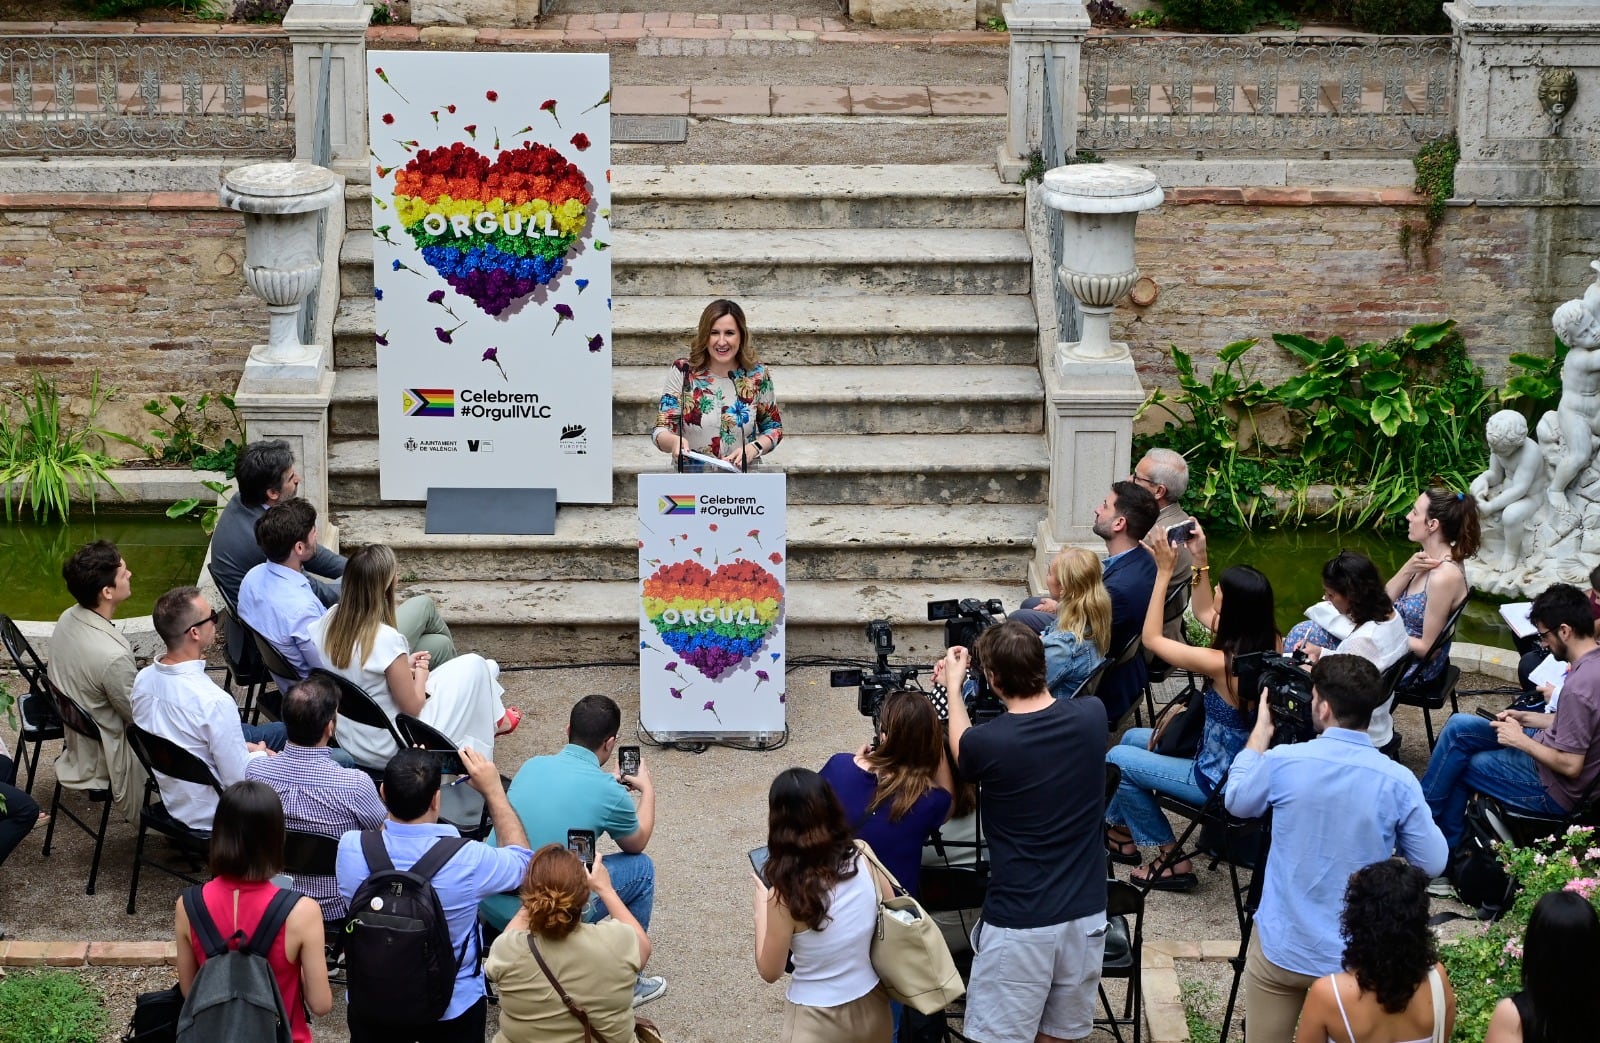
{"points": [[581, 843], [628, 760], [1181, 533]]}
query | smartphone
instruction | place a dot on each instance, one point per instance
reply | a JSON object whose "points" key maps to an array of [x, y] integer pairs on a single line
{"points": [[581, 843], [1488, 715], [758, 862], [628, 760], [1181, 533]]}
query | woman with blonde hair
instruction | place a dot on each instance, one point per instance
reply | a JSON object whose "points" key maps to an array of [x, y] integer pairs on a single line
{"points": [[719, 400], [1080, 637], [358, 641], [547, 944]]}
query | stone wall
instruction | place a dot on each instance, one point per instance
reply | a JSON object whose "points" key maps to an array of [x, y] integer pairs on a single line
{"points": [[146, 287], [1238, 263]]}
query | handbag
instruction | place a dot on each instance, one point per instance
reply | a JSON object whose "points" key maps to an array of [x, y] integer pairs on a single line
{"points": [[155, 1017], [1179, 726], [909, 951], [643, 1028]]}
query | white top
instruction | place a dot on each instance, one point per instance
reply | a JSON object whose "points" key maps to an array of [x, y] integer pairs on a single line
{"points": [[1383, 645], [834, 965], [366, 745], [280, 605], [181, 704]]}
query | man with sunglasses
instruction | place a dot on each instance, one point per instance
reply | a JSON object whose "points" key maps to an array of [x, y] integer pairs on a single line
{"points": [[1542, 763], [173, 698]]}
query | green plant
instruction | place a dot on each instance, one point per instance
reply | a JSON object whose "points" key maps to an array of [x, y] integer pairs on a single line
{"points": [[187, 430], [382, 13], [1146, 19], [1218, 16], [1034, 171], [44, 457], [50, 1007], [1196, 995], [1537, 389], [208, 513], [1399, 17], [210, 9], [1486, 965], [1435, 164], [995, 24]]}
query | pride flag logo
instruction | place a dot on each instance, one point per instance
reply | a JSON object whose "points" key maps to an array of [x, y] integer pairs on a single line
{"points": [[429, 401], [676, 504]]}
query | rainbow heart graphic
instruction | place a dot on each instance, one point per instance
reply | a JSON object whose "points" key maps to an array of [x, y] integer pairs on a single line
{"points": [[713, 620], [498, 230]]}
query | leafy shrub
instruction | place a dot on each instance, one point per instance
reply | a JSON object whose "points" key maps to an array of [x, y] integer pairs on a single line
{"points": [[47, 457], [52, 1006], [260, 10], [1217, 16], [117, 8], [1107, 13], [1399, 17]]}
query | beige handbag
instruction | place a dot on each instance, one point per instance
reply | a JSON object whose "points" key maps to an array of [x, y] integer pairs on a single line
{"points": [[912, 959]]}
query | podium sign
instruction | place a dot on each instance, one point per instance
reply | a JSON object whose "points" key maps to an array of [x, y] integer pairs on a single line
{"points": [[712, 577]]}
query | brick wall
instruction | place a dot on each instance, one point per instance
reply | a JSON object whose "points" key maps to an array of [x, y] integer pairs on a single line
{"points": [[145, 287]]}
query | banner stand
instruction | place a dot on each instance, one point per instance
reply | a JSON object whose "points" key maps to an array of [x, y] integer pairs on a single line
{"points": [[492, 512]]}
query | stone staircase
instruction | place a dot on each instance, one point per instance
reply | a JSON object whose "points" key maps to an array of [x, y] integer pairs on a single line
{"points": [[892, 304]]}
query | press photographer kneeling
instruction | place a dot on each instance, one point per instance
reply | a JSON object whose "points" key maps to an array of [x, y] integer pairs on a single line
{"points": [[1338, 805]]}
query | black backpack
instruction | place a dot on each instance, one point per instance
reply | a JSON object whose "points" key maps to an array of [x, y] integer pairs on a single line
{"points": [[1474, 869], [401, 965], [235, 994]]}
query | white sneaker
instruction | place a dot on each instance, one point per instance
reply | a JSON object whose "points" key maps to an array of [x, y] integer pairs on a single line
{"points": [[1438, 887], [648, 988]]}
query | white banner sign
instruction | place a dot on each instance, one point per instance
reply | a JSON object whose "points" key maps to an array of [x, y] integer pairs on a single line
{"points": [[491, 206], [712, 575]]}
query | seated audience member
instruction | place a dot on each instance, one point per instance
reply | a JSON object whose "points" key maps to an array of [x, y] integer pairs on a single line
{"points": [[1394, 989], [597, 964], [1338, 805], [1079, 638], [357, 640], [1433, 581], [1539, 762], [319, 795], [1560, 965], [1165, 474], [1240, 614], [1129, 574], [267, 477], [246, 853], [92, 663], [1536, 697], [173, 698], [411, 794], [572, 790], [19, 813], [276, 598]]}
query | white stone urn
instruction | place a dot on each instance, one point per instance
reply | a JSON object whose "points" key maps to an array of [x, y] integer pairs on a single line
{"points": [[281, 203], [1099, 204]]}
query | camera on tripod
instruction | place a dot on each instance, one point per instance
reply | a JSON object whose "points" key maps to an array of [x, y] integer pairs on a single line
{"points": [[1288, 686], [872, 689], [964, 621]]}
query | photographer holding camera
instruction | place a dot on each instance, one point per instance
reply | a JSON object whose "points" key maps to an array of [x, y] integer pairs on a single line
{"points": [[1338, 806], [1039, 946]]}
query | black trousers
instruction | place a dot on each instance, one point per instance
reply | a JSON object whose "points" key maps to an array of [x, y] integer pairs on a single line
{"points": [[468, 1028], [20, 814]]}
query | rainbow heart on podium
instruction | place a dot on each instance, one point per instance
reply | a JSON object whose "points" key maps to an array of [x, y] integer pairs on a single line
{"points": [[713, 620]]}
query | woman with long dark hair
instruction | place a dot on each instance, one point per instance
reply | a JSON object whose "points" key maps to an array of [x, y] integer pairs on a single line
{"points": [[719, 400], [818, 905], [1560, 966], [1394, 989], [1433, 582], [1240, 614], [246, 853]]}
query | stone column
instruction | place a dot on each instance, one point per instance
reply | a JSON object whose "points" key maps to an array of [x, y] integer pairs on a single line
{"points": [[1045, 40], [343, 26], [1091, 384]]}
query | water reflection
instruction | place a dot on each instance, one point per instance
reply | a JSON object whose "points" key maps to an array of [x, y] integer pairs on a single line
{"points": [[162, 554]]}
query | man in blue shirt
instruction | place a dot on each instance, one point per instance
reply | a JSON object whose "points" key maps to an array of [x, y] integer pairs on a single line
{"points": [[572, 790], [411, 794], [1338, 805]]}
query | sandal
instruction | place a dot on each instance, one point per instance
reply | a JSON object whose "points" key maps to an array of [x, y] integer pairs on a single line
{"points": [[1167, 880], [508, 722], [1122, 852]]}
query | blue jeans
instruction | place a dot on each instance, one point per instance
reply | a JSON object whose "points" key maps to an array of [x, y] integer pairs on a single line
{"points": [[634, 877], [274, 735], [1469, 759], [1144, 774]]}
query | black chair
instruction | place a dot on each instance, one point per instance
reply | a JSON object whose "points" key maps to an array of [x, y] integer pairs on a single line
{"points": [[1528, 826], [38, 719], [459, 805], [1091, 684], [358, 706], [314, 854], [1431, 695], [1390, 681], [1125, 655], [168, 758], [961, 890], [73, 716], [1124, 956], [271, 658], [246, 669], [1175, 605]]}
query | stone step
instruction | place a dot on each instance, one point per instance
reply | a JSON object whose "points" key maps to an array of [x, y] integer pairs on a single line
{"points": [[940, 329], [823, 468], [821, 262], [582, 621], [991, 542], [822, 399]]}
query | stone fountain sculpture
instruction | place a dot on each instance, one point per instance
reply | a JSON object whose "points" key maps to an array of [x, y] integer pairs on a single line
{"points": [[1539, 501]]}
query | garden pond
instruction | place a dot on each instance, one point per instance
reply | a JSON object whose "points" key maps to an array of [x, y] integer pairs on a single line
{"points": [[161, 552]]}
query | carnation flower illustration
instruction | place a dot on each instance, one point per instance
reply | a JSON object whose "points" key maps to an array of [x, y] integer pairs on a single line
{"points": [[444, 335], [388, 118], [385, 79], [605, 99], [755, 534], [550, 107], [713, 620], [596, 342], [382, 232], [400, 266], [762, 677], [523, 131], [383, 339], [677, 693], [492, 95], [437, 297], [583, 284], [712, 706], [493, 355], [563, 313], [409, 146], [580, 141]]}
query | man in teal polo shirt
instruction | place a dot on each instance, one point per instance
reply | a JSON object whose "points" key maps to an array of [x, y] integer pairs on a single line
{"points": [[572, 790]]}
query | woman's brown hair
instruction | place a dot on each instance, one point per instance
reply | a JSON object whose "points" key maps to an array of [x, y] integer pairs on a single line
{"points": [[366, 599], [700, 350], [908, 754], [554, 892], [1457, 515], [247, 833], [809, 845]]}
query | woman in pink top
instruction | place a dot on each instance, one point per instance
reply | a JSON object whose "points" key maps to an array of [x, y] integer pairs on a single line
{"points": [[246, 853]]}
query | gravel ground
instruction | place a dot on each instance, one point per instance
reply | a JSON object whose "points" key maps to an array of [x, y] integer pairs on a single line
{"points": [[710, 811]]}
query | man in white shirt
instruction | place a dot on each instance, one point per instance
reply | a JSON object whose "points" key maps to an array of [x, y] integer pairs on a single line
{"points": [[276, 599], [173, 698]]}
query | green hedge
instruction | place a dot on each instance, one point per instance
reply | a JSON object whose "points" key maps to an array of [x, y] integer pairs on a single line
{"points": [[1390, 17]]}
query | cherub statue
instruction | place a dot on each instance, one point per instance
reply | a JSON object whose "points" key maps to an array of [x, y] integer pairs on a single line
{"points": [[1511, 491], [1577, 322]]}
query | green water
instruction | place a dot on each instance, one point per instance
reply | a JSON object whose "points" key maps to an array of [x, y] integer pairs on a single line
{"points": [[160, 552], [1292, 559]]}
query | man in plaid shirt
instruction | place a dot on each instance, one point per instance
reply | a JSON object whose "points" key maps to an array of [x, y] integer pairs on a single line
{"points": [[318, 795]]}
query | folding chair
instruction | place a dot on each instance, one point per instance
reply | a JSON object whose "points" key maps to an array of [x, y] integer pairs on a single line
{"points": [[360, 707], [1091, 684], [38, 720], [161, 755], [461, 806], [246, 669], [945, 890], [1431, 695], [1122, 657], [1124, 902], [271, 658], [73, 716], [313, 854]]}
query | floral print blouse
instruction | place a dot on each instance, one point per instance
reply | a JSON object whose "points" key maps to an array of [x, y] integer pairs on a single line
{"points": [[713, 409]]}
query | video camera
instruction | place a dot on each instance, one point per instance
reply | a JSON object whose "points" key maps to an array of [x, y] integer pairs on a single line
{"points": [[1288, 685], [964, 621], [872, 689]]}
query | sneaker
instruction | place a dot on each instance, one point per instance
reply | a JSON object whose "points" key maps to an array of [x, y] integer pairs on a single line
{"points": [[1438, 887], [648, 988]]}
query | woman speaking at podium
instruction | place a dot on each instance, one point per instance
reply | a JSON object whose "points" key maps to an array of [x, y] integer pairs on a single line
{"points": [[718, 404]]}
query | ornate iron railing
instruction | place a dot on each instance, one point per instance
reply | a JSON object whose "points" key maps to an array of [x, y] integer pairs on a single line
{"points": [[1266, 94], [138, 94], [1053, 150]]}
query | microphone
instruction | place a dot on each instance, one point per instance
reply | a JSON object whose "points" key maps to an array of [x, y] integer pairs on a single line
{"points": [[683, 397]]}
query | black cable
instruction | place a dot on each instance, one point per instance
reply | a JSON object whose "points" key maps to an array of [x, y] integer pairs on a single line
{"points": [[702, 745]]}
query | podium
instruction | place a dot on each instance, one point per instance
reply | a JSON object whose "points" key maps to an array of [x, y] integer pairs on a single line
{"points": [[713, 561]]}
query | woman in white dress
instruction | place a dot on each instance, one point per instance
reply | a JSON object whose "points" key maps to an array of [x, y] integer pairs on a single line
{"points": [[359, 642]]}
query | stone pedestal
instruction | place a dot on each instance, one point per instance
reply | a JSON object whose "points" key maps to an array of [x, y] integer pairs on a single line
{"points": [[1528, 99], [343, 28], [1045, 40]]}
